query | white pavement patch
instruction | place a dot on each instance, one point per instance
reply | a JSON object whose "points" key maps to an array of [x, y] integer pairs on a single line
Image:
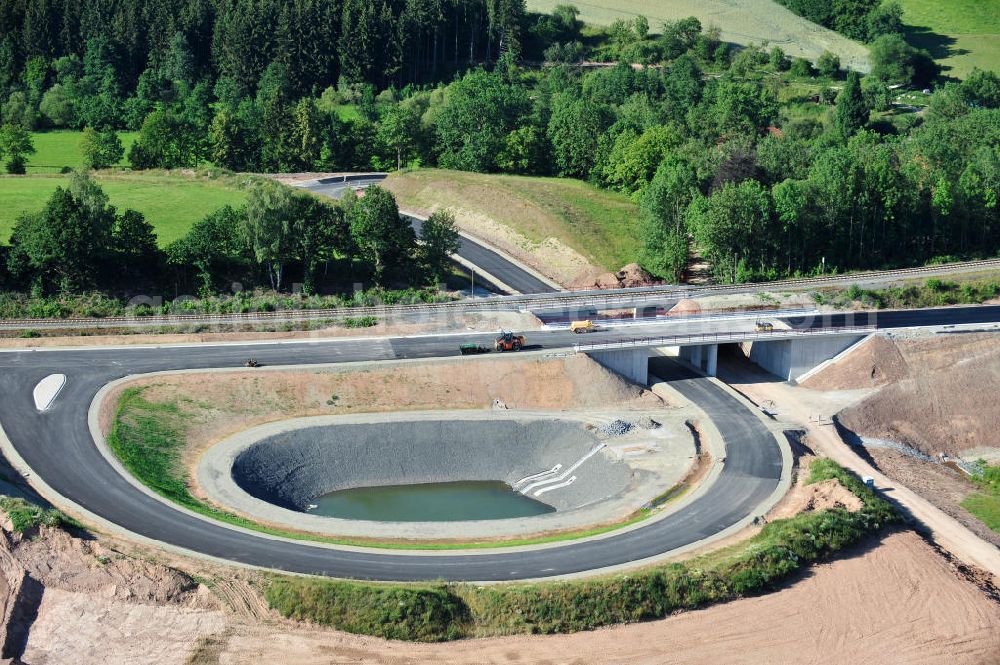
{"points": [[47, 390]]}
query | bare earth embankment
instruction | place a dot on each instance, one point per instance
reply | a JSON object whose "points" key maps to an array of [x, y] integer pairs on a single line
{"points": [[75, 600], [898, 602], [937, 395]]}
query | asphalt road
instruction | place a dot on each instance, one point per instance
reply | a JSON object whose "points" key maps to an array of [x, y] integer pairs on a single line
{"points": [[58, 447], [475, 253]]}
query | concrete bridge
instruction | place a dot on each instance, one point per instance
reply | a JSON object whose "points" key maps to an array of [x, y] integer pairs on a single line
{"points": [[785, 352]]}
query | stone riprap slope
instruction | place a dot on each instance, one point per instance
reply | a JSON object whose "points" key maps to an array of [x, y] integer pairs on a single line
{"points": [[291, 469]]}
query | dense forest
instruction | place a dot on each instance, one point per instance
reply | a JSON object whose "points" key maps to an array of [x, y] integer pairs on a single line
{"points": [[116, 42], [764, 165]]}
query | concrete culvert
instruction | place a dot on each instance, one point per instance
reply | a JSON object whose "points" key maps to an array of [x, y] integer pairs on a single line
{"points": [[293, 468]]}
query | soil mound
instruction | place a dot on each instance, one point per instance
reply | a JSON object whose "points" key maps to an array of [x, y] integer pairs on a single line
{"points": [[685, 306], [824, 495], [628, 277], [875, 362]]}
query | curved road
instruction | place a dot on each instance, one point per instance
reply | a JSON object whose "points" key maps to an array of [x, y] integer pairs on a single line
{"points": [[478, 254], [58, 447]]}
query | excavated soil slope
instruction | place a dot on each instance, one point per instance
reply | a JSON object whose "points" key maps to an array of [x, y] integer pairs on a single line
{"points": [[943, 397], [873, 363], [68, 599]]}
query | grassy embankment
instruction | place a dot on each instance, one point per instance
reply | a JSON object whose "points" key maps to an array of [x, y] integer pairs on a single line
{"points": [[985, 504], [432, 612], [959, 34], [599, 225], [25, 515], [148, 438], [171, 202], [932, 293]]}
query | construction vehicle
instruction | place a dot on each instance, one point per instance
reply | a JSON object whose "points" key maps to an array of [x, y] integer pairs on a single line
{"points": [[251, 362], [579, 327], [508, 341], [763, 326]]}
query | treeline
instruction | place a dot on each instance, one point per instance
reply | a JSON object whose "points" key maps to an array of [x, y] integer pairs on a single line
{"points": [[79, 242]]}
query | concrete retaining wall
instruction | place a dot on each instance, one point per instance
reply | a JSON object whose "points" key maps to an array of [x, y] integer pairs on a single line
{"points": [[294, 467], [791, 358], [633, 364]]}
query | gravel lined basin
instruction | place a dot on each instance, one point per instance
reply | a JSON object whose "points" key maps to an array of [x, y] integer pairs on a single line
{"points": [[296, 467]]}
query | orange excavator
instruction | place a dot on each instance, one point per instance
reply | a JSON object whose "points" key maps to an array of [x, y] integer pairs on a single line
{"points": [[508, 341]]}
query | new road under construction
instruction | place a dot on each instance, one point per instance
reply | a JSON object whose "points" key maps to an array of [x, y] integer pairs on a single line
{"points": [[75, 467]]}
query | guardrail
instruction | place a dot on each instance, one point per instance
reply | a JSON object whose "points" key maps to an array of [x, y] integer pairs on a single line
{"points": [[731, 336]]}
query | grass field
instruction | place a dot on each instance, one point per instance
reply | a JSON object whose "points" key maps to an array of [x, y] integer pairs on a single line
{"points": [[741, 22], [985, 504], [54, 150], [170, 202], [960, 34], [598, 224]]}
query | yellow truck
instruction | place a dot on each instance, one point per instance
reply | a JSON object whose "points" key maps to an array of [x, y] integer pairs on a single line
{"points": [[763, 326], [582, 326]]}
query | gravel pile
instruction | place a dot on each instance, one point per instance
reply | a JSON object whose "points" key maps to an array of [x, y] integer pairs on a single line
{"points": [[617, 427]]}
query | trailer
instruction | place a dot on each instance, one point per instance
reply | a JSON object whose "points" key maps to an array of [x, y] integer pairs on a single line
{"points": [[472, 349]]}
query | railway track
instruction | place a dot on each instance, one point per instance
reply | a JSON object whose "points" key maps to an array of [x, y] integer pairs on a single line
{"points": [[564, 301]]}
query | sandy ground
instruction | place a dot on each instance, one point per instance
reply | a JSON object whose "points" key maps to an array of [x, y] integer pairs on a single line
{"points": [[74, 628], [80, 600], [933, 399], [864, 607]]}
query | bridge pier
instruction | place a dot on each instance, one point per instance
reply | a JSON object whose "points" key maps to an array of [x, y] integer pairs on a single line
{"points": [[711, 359], [633, 364], [705, 357]]}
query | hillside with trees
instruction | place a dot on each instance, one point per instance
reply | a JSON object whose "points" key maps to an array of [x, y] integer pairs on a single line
{"points": [[764, 165]]}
